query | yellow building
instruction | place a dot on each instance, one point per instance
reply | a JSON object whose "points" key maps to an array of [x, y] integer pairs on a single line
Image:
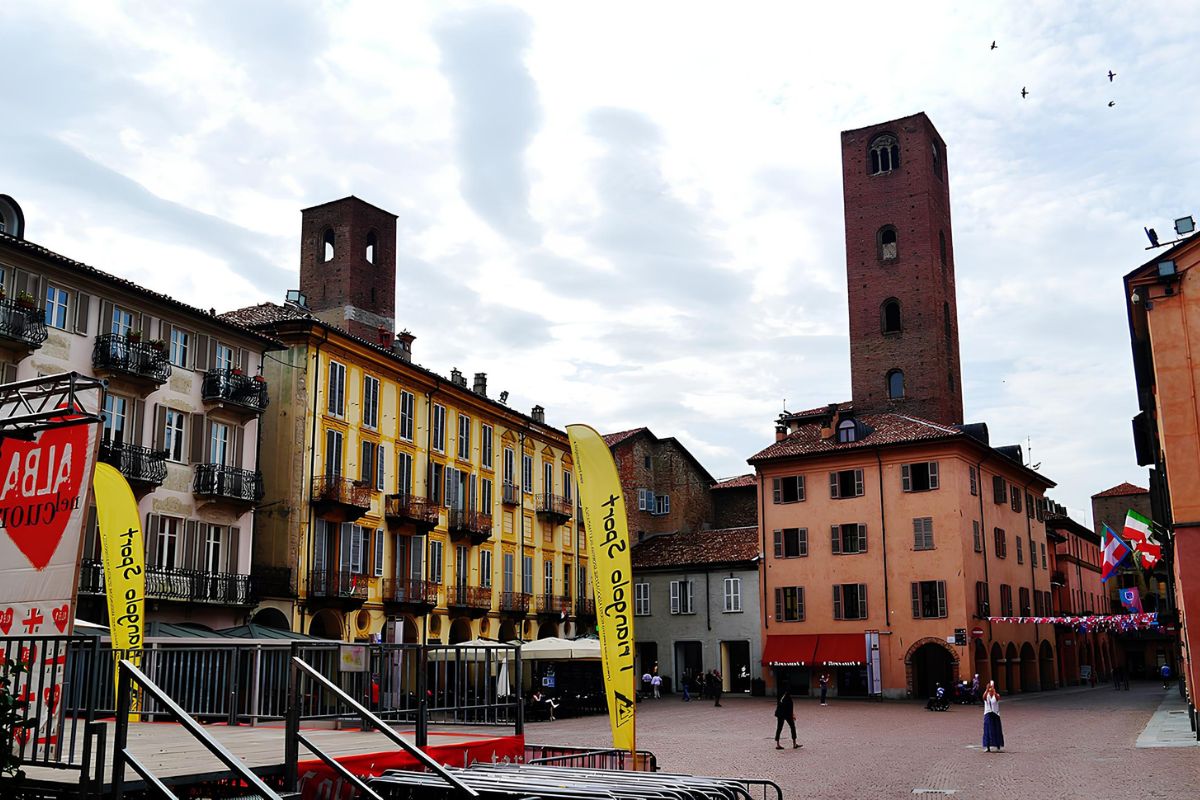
{"points": [[399, 503]]}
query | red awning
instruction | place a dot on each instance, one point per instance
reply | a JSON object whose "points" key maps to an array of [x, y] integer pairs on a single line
{"points": [[841, 650], [790, 650]]}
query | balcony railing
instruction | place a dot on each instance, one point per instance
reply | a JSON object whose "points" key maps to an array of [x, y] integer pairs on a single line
{"points": [[139, 465], [332, 492], [410, 591], [553, 604], [411, 509], [228, 483], [511, 494], [179, 585], [473, 525], [23, 325], [114, 353], [585, 607], [91, 577], [473, 597], [231, 386], [514, 602], [337, 585], [1058, 578], [272, 582], [553, 506]]}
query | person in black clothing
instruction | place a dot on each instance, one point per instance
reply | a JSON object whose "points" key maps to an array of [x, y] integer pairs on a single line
{"points": [[785, 711]]}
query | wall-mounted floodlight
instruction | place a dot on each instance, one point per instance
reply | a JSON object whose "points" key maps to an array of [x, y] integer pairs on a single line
{"points": [[1185, 225], [1152, 236], [1166, 269]]}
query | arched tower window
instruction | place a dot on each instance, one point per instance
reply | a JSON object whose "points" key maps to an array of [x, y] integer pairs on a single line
{"points": [[942, 246], [891, 315], [895, 384], [889, 244], [847, 431], [937, 160], [327, 238], [885, 154], [946, 321], [372, 241]]}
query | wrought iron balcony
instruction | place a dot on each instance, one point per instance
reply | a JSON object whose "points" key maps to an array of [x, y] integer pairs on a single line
{"points": [[511, 494], [219, 482], [272, 582], [514, 602], [411, 509], [474, 526], [412, 593], [231, 387], [22, 325], [342, 585], [553, 605], [115, 354], [91, 577], [553, 507], [471, 598], [142, 467], [335, 494], [197, 586], [585, 607]]}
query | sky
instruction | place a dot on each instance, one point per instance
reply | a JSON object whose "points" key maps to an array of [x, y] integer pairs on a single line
{"points": [[631, 213]]}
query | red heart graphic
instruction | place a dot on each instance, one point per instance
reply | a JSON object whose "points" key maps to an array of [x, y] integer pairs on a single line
{"points": [[22, 736], [40, 483], [60, 617], [6, 619], [50, 696]]}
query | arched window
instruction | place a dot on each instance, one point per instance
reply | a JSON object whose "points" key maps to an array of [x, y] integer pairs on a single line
{"points": [[895, 384], [885, 154], [937, 160], [327, 238], [891, 315], [946, 320], [889, 245], [942, 246], [371, 242], [847, 430]]}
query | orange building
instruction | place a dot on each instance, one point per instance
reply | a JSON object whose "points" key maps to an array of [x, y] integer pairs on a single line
{"points": [[1077, 591]]}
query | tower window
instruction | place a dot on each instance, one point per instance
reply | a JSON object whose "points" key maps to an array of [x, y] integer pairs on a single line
{"points": [[895, 384], [885, 154], [327, 238], [891, 315], [946, 321], [942, 246], [888, 244], [371, 242], [937, 160]]}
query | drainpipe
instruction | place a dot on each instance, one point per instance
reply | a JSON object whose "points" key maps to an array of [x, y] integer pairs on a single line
{"points": [[428, 494], [312, 459], [762, 525], [520, 487], [1033, 580], [983, 540], [887, 612]]}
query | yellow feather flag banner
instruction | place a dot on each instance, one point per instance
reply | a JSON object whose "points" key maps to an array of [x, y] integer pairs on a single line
{"points": [[612, 578], [123, 555]]}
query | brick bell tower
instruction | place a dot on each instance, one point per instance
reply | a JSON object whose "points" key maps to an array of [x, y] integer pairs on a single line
{"points": [[900, 271], [348, 267]]}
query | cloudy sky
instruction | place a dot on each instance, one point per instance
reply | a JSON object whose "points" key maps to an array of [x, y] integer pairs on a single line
{"points": [[631, 213]]}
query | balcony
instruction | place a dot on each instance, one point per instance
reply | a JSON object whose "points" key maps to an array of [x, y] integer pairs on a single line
{"points": [[411, 509], [22, 326], [472, 526], [175, 584], [337, 496], [144, 468], [1058, 578], [553, 507], [510, 494], [515, 603], [221, 483], [272, 582], [553, 605], [122, 357], [91, 577], [239, 393], [475, 600], [585, 608], [343, 587], [410, 594]]}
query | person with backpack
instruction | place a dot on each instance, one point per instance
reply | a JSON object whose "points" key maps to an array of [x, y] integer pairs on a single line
{"points": [[785, 711]]}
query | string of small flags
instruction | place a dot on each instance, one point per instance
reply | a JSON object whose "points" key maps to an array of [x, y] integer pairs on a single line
{"points": [[1098, 622]]}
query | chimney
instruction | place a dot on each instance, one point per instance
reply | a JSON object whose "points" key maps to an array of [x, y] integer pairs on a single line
{"points": [[780, 432], [481, 383], [539, 415], [403, 345], [456, 377], [384, 338], [829, 422]]}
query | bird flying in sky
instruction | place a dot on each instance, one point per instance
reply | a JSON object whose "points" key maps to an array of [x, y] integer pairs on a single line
{"points": [[1023, 92], [993, 47], [1112, 103], [1111, 75]]}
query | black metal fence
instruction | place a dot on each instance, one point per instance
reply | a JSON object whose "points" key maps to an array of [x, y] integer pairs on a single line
{"points": [[233, 386], [116, 353], [141, 465], [231, 483]]}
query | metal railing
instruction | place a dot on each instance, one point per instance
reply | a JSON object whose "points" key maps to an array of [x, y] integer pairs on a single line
{"points": [[514, 602], [410, 590], [230, 483], [553, 604], [138, 464], [342, 584], [591, 757], [474, 597], [399, 508], [22, 322], [585, 607], [474, 524], [178, 584], [510, 494], [272, 582], [232, 386], [553, 505], [116, 353], [334, 489]]}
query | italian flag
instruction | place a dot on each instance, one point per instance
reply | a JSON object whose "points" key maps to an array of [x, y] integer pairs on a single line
{"points": [[1138, 534]]}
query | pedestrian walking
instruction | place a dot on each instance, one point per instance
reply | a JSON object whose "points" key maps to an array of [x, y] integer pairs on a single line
{"points": [[656, 685], [1166, 675], [993, 733], [975, 688], [785, 711], [646, 681], [687, 697], [717, 687], [1116, 676], [824, 687]]}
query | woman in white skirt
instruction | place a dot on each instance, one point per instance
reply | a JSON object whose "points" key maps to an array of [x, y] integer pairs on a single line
{"points": [[993, 733]]}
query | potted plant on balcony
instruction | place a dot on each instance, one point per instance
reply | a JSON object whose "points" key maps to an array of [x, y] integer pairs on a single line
{"points": [[3, 293], [158, 345], [259, 379], [26, 301], [135, 337], [236, 371]]}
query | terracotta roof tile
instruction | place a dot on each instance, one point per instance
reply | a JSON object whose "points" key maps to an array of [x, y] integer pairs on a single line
{"points": [[721, 546], [262, 314], [741, 481], [886, 428], [1121, 490], [614, 439]]}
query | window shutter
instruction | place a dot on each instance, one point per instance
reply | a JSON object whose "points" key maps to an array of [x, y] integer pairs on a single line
{"points": [[139, 414], [10, 373], [837, 601], [916, 600], [999, 489], [187, 558], [858, 483], [776, 490], [862, 538], [933, 474], [674, 597], [164, 333], [106, 317], [200, 356], [231, 551], [905, 477], [918, 539], [379, 469], [778, 604], [941, 593], [82, 303], [150, 538], [196, 445], [779, 544], [239, 436], [836, 537], [833, 484], [241, 358], [378, 552], [802, 540], [862, 601], [800, 602], [158, 435]]}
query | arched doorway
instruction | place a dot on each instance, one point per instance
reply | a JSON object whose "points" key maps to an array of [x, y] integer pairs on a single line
{"points": [[327, 624], [508, 631], [271, 618], [1011, 666], [929, 662], [460, 631], [547, 630], [1029, 669], [981, 664], [1046, 665], [997, 668], [411, 633]]}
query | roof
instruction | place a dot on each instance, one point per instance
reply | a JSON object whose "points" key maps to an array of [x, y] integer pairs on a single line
{"points": [[263, 314], [740, 482], [219, 320], [344, 199], [1122, 490], [614, 439], [1071, 526], [720, 546]]}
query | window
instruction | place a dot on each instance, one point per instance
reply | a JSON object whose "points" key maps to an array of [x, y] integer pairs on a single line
{"points": [[936, 162], [212, 548], [370, 404], [333, 453], [485, 568], [928, 599], [404, 473], [439, 428], [327, 241], [733, 595], [681, 597], [366, 465], [1023, 596], [56, 306], [506, 584], [641, 599], [166, 555], [548, 577], [895, 384], [662, 504], [974, 476], [1043, 555], [1006, 604], [977, 535], [486, 455], [1029, 505], [435, 561], [919, 477], [407, 408], [378, 552], [847, 431], [942, 246], [181, 345], [850, 601], [548, 477], [436, 475], [568, 489], [999, 489], [1038, 608], [1015, 500], [923, 533], [890, 316], [646, 500], [116, 418], [566, 580], [1020, 552], [982, 604], [527, 472], [791, 543], [527, 574], [464, 437], [219, 451], [849, 539], [173, 434], [789, 489], [485, 495], [646, 462], [789, 604], [847, 483], [885, 154], [509, 466], [122, 321], [337, 389], [1001, 544], [224, 357], [888, 246], [372, 241]]}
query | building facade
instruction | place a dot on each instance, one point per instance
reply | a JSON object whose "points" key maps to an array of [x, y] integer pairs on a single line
{"points": [[1075, 569], [184, 399], [735, 502], [666, 489]]}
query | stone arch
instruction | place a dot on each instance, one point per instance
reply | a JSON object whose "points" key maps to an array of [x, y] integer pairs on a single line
{"points": [[460, 631], [1046, 665], [326, 624], [1029, 669], [508, 631], [547, 630], [273, 618], [981, 663], [917, 645], [1012, 664], [997, 668]]}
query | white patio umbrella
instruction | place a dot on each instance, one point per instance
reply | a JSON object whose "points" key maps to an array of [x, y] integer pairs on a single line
{"points": [[471, 650], [556, 649]]}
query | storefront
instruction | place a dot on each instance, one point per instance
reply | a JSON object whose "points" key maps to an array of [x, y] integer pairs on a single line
{"points": [[789, 658], [843, 655]]}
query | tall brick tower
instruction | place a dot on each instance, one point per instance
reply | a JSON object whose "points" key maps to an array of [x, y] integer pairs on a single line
{"points": [[348, 267], [900, 271]]}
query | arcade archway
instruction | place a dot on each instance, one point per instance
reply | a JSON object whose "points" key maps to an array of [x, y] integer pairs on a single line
{"points": [[930, 662]]}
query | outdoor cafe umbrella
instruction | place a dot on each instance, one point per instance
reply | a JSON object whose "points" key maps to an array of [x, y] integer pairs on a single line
{"points": [[556, 649]]}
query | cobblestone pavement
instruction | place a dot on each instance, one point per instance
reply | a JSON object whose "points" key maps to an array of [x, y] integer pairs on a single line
{"points": [[1075, 743]]}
